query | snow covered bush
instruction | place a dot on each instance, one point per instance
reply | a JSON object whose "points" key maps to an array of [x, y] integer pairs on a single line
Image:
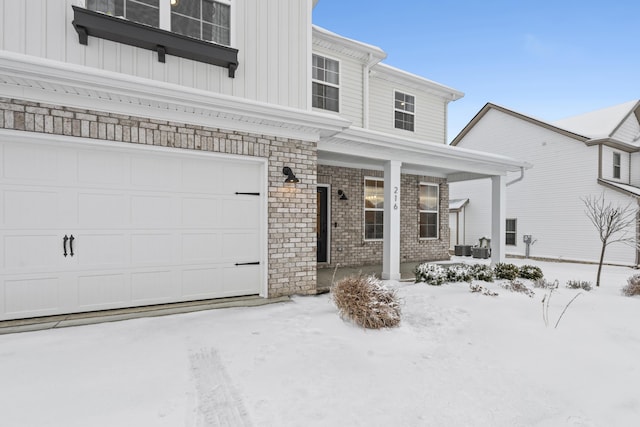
{"points": [[518, 286], [543, 283], [481, 272], [367, 302], [633, 286], [530, 272], [431, 274], [506, 271], [481, 289], [459, 273], [579, 284]]}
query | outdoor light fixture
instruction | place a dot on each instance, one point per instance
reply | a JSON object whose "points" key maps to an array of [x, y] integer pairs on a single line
{"points": [[174, 2], [342, 195], [291, 178]]}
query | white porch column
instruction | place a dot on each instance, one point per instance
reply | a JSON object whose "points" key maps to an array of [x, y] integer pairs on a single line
{"points": [[391, 252], [498, 218]]}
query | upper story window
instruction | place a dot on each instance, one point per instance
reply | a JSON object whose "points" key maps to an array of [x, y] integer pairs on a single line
{"points": [[326, 83], [404, 110], [208, 20], [373, 208], [510, 233], [428, 206], [616, 165]]}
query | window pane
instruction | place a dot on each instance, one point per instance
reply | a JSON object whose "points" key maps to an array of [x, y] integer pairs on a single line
{"points": [[511, 225], [428, 198], [185, 26], [428, 225], [110, 7], [510, 239], [142, 13], [189, 8]]}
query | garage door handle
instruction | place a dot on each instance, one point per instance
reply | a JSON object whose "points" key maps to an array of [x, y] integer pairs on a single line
{"points": [[64, 245], [248, 263], [71, 239], [247, 194]]}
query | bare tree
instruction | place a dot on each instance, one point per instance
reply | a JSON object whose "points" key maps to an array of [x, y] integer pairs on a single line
{"points": [[615, 224]]}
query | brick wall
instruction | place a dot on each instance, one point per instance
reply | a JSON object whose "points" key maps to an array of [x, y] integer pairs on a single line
{"points": [[348, 246], [292, 208]]}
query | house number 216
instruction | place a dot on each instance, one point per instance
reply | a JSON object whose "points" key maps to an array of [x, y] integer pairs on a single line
{"points": [[395, 198]]}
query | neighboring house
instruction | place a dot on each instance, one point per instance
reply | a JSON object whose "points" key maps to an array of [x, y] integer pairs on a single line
{"points": [[587, 155], [158, 151]]}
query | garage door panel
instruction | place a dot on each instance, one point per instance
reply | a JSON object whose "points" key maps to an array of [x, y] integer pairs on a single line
{"points": [[241, 246], [98, 291], [152, 249], [153, 287], [96, 210], [32, 209], [27, 253], [100, 250], [30, 163], [101, 167], [201, 248], [202, 283], [243, 177], [241, 280], [31, 296], [241, 212], [200, 212], [153, 211], [155, 172], [201, 176]]}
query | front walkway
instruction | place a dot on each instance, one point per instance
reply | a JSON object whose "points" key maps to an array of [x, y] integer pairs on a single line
{"points": [[325, 275]]}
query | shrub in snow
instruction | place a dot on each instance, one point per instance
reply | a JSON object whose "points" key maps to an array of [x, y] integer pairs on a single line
{"points": [[506, 271], [367, 302], [478, 288], [530, 272], [518, 286], [481, 272], [543, 283], [459, 273], [579, 284], [633, 286], [431, 274]]}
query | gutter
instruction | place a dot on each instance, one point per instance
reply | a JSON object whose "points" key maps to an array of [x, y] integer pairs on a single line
{"points": [[520, 178]]}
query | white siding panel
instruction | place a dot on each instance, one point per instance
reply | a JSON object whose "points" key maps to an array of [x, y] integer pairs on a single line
{"points": [[634, 172], [430, 111], [547, 202], [629, 131], [272, 37]]}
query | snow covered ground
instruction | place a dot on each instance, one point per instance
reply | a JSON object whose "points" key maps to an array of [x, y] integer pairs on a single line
{"points": [[458, 359]]}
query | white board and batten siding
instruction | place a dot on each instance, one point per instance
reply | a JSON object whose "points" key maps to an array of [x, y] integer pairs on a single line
{"points": [[150, 226], [272, 37], [546, 203]]}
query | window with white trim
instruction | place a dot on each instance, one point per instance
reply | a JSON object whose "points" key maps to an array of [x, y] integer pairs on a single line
{"points": [[510, 233], [616, 165], [373, 208], [208, 20], [404, 110], [326, 83], [428, 211]]}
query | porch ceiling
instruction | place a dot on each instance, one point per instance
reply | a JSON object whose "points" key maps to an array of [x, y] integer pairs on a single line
{"points": [[365, 149]]}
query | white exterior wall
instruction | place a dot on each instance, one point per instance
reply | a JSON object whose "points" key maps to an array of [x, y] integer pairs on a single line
{"points": [[629, 130], [272, 36], [430, 111], [546, 203], [607, 165], [634, 171], [476, 221], [351, 86]]}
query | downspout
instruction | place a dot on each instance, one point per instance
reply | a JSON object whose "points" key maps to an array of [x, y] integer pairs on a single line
{"points": [[366, 70], [520, 178]]}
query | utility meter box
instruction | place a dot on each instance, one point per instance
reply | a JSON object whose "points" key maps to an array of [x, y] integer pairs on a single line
{"points": [[526, 238]]}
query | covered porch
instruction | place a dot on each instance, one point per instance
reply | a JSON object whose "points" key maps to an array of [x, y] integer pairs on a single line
{"points": [[393, 159]]}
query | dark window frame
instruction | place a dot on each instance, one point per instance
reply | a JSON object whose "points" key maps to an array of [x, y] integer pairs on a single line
{"points": [[511, 236], [378, 212], [404, 108], [617, 165], [325, 83], [427, 212]]}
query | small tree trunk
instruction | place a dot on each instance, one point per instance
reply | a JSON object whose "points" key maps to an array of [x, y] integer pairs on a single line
{"points": [[604, 246]]}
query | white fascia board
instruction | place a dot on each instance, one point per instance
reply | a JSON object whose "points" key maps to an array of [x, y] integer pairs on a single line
{"points": [[414, 146], [335, 42], [396, 75], [144, 96]]}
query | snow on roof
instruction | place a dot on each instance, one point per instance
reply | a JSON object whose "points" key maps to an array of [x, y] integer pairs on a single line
{"points": [[597, 124], [630, 189], [457, 204]]}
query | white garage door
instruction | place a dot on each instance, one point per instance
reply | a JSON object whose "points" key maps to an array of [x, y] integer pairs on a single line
{"points": [[139, 226]]}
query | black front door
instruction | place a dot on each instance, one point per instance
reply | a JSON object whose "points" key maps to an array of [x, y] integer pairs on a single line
{"points": [[321, 224]]}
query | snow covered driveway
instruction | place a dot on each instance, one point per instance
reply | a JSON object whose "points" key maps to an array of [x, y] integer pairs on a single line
{"points": [[458, 359]]}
